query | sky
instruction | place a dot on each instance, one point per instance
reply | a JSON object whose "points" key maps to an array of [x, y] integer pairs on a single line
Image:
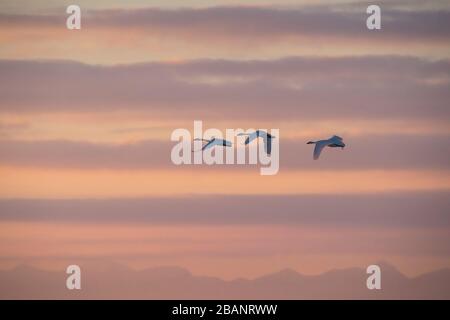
{"points": [[86, 117]]}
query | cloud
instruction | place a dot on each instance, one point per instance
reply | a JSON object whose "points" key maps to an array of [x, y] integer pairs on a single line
{"points": [[254, 23], [363, 152], [242, 32], [406, 88], [394, 210], [70, 154]]}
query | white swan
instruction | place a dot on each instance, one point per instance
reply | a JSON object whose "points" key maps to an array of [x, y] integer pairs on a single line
{"points": [[333, 142], [267, 137], [213, 142]]}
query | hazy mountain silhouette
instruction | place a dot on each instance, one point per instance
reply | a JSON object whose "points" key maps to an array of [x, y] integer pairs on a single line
{"points": [[114, 281]]}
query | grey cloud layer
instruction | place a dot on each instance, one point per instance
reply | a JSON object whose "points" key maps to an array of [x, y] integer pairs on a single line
{"points": [[367, 87], [265, 23], [395, 210], [364, 152], [259, 23]]}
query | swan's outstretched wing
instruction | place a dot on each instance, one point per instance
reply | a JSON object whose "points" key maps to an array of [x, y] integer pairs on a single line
{"points": [[210, 144], [251, 137], [318, 148], [200, 139]]}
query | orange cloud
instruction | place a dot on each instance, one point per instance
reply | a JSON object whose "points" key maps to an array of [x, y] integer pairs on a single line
{"points": [[60, 183], [124, 36]]}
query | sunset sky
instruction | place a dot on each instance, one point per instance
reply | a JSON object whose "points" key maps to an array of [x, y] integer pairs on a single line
{"points": [[86, 117]]}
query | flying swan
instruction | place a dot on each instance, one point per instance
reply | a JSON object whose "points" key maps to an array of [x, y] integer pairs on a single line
{"points": [[333, 142], [267, 137], [213, 142]]}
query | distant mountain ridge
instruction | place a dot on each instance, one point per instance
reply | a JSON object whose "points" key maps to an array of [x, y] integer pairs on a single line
{"points": [[115, 281]]}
